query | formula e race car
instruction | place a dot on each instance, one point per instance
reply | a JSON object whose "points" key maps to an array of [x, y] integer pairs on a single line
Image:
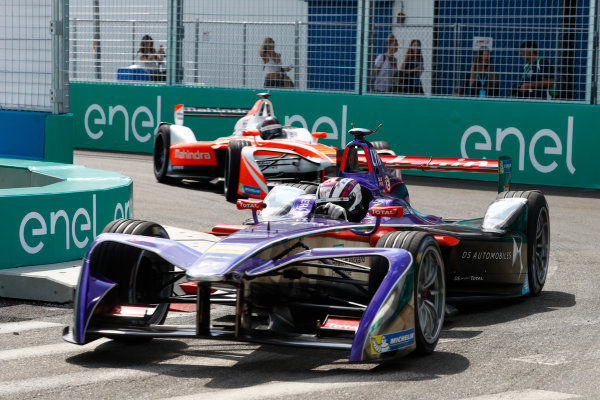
{"points": [[260, 150], [346, 264]]}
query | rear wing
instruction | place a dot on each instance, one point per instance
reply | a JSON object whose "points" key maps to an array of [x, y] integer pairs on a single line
{"points": [[501, 166], [183, 111]]}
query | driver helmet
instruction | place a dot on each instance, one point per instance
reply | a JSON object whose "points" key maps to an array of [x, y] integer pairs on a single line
{"points": [[344, 192], [270, 128]]}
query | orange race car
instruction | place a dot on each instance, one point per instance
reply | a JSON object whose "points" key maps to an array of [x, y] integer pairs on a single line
{"points": [[260, 152]]}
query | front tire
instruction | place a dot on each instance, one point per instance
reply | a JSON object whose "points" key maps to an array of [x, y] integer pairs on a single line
{"points": [[538, 237], [232, 168], [429, 288], [139, 276]]}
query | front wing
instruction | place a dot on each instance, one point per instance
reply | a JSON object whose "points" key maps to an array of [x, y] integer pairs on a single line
{"points": [[389, 313]]}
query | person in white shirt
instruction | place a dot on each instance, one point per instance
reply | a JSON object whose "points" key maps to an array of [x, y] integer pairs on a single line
{"points": [[151, 59], [386, 67], [274, 73]]}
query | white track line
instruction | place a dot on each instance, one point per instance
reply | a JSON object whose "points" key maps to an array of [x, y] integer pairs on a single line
{"points": [[47, 350], [530, 394], [16, 327]]}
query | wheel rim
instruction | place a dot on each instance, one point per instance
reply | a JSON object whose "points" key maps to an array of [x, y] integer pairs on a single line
{"points": [[430, 295], [542, 246]]}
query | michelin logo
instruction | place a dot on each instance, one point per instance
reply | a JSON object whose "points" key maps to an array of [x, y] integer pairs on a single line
{"points": [[392, 341]]}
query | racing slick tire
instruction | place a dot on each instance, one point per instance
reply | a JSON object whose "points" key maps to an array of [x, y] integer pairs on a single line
{"points": [[538, 237], [162, 144], [380, 145], [429, 288], [134, 275], [232, 168]]}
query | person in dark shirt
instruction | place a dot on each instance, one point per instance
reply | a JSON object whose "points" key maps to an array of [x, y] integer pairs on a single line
{"points": [[537, 78]]}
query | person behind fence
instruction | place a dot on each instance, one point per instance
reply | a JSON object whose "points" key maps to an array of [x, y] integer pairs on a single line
{"points": [[151, 59], [411, 69], [537, 78], [275, 74], [385, 69], [481, 80]]}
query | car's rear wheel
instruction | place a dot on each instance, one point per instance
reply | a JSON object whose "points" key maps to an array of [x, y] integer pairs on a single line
{"points": [[429, 288], [309, 188], [232, 168], [538, 237]]}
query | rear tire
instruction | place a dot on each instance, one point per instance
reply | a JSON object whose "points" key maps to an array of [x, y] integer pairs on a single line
{"points": [[232, 168], [162, 146], [429, 288], [538, 237]]}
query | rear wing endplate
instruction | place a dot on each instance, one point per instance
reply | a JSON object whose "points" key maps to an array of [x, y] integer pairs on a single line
{"points": [[501, 166]]}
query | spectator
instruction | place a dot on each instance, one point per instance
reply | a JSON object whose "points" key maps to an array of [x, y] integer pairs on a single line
{"points": [[411, 69], [537, 79], [385, 68], [481, 80], [275, 74], [152, 60]]}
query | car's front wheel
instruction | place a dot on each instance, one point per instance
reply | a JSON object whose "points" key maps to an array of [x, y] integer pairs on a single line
{"points": [[429, 288]]}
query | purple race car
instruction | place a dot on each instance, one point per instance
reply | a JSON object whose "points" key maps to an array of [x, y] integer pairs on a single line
{"points": [[347, 264]]}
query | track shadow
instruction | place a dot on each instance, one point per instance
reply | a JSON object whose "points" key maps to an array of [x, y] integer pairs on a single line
{"points": [[499, 311], [229, 365]]}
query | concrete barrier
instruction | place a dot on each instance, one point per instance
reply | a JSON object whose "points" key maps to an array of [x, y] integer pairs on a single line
{"points": [[51, 212]]}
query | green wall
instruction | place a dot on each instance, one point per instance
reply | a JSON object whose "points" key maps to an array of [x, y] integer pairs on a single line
{"points": [[550, 143]]}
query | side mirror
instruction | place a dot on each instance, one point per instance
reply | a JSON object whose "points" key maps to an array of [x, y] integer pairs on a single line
{"points": [[251, 204], [319, 135], [250, 133], [387, 211]]}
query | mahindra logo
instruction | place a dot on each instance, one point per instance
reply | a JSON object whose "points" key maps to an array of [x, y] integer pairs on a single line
{"points": [[188, 155]]}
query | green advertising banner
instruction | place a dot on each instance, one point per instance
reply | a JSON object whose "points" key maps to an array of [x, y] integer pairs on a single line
{"points": [[52, 212], [550, 143]]}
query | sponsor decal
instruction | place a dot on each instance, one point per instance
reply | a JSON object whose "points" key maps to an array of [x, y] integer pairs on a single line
{"points": [[487, 255], [467, 278], [392, 341], [387, 184], [556, 147], [244, 204], [227, 250], [189, 155], [251, 190], [345, 260], [80, 227], [95, 119], [387, 211], [340, 324]]}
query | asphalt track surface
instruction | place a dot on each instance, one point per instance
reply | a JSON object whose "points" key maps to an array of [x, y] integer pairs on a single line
{"points": [[547, 347]]}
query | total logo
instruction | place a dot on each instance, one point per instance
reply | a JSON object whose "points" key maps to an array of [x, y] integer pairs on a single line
{"points": [[188, 155], [96, 118], [555, 148], [35, 228]]}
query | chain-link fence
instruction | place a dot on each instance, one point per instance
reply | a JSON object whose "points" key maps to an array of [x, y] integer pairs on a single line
{"points": [[527, 49], [34, 55]]}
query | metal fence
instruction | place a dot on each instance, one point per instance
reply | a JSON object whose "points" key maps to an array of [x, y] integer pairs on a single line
{"points": [[519, 50]]}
